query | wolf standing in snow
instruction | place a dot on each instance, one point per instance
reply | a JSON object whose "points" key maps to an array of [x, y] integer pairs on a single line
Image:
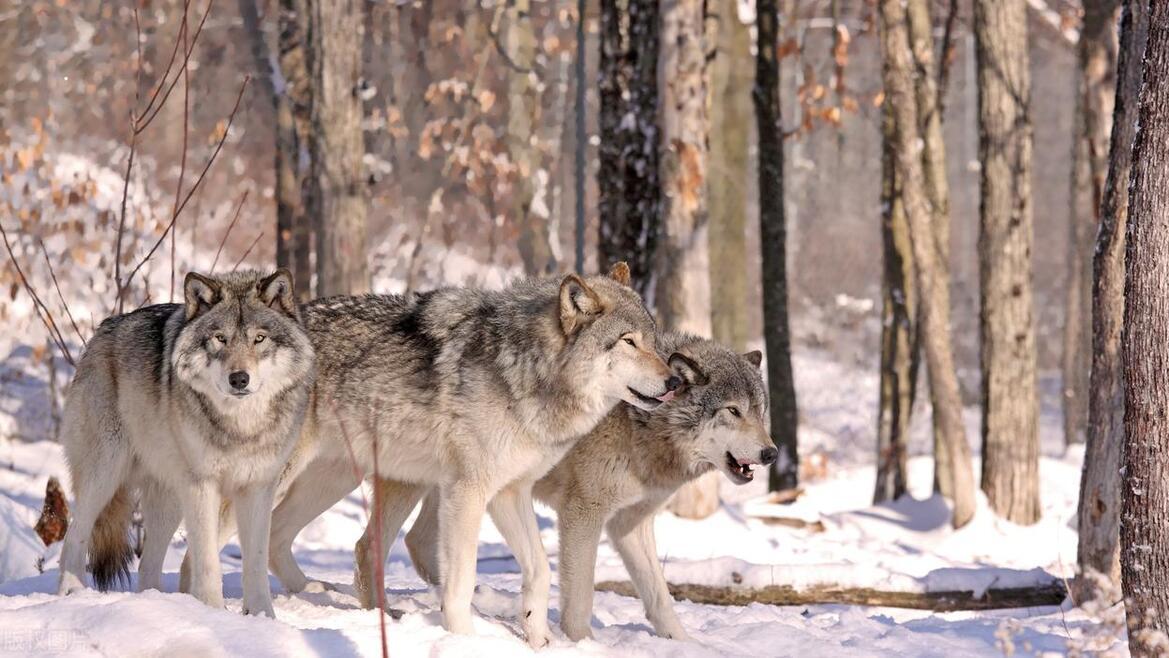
{"points": [[477, 393], [199, 403], [618, 477]]}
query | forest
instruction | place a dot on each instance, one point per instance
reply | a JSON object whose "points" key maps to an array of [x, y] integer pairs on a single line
{"points": [[937, 228]]}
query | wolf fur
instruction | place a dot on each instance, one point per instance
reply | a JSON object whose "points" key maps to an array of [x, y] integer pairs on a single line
{"points": [[477, 393], [188, 405], [618, 477]]}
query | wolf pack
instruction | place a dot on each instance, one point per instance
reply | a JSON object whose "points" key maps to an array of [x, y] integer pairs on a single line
{"points": [[241, 412]]}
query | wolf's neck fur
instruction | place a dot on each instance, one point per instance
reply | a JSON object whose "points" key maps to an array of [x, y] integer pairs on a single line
{"points": [[659, 448]]}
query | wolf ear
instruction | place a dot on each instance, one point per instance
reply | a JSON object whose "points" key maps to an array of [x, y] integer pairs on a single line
{"points": [[276, 292], [688, 370], [200, 293], [755, 358], [579, 304], [620, 273]]}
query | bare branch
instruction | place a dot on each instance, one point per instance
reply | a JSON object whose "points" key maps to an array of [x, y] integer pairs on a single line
{"points": [[39, 306], [61, 297], [234, 219], [183, 157], [249, 250]]}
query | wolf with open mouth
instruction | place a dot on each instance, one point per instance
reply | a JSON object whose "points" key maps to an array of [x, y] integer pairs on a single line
{"points": [[618, 477]]}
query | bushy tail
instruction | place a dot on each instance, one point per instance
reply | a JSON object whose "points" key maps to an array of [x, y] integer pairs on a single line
{"points": [[110, 553]]}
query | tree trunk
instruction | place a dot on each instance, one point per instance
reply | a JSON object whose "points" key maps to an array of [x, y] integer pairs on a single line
{"points": [[285, 79], [1144, 535], [1010, 430], [337, 146], [1096, 86], [899, 328], [534, 245], [937, 189], [935, 314], [1099, 518], [683, 261], [773, 243], [630, 194], [730, 116]]}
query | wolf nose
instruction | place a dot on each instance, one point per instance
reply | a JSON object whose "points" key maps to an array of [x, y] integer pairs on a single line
{"points": [[673, 383], [768, 456], [238, 380]]}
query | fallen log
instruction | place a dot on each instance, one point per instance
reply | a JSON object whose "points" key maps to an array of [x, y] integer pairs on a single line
{"points": [[1049, 594]]}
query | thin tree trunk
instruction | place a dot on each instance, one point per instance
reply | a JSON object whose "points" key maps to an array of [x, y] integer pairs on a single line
{"points": [[935, 315], [337, 146], [630, 193], [730, 116], [683, 259], [1010, 430], [773, 243], [580, 106], [1096, 91], [534, 245], [899, 328], [1099, 511], [292, 238], [1144, 535], [933, 160]]}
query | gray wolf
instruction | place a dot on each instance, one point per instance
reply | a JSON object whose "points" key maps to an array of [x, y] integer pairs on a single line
{"points": [[618, 476], [476, 393], [190, 406]]}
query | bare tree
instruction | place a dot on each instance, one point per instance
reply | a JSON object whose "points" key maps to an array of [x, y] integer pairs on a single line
{"points": [[1010, 430], [1144, 534], [935, 314], [337, 183], [1095, 96], [773, 243], [1099, 510], [285, 79], [630, 193], [730, 117], [683, 258]]}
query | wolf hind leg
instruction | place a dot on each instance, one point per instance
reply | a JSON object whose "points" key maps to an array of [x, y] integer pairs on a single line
{"points": [[422, 540], [512, 511], [393, 501], [161, 515], [101, 513], [315, 490]]}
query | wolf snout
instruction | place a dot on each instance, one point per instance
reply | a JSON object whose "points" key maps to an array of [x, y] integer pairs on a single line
{"points": [[238, 380], [768, 456]]}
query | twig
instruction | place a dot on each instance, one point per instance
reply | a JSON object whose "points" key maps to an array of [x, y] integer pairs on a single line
{"points": [[250, 247], [57, 285], [234, 219], [183, 158], [144, 123], [39, 306], [194, 188]]}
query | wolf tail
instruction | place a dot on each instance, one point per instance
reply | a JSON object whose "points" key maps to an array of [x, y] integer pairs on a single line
{"points": [[110, 553]]}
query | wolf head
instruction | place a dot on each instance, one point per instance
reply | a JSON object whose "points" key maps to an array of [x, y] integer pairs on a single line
{"points": [[611, 339], [718, 415], [242, 338]]}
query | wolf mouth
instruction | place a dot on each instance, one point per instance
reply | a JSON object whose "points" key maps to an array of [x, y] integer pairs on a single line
{"points": [[741, 473], [650, 401]]}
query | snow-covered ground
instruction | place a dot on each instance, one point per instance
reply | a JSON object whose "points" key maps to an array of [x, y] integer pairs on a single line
{"points": [[905, 546]]}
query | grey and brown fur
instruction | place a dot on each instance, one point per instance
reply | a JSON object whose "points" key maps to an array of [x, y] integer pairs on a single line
{"points": [[477, 393], [618, 476], [189, 406]]}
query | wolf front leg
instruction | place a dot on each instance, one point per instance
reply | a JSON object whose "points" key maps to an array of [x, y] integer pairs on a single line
{"points": [[461, 508], [512, 511], [254, 516], [393, 502], [580, 531], [632, 531], [201, 503]]}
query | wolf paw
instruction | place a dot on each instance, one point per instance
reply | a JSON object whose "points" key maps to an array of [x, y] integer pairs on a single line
{"points": [[576, 632], [69, 584], [318, 587], [256, 608]]}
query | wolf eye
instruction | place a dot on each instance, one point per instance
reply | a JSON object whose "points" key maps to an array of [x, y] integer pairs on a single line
{"points": [[221, 338], [735, 412], [260, 338], [629, 342]]}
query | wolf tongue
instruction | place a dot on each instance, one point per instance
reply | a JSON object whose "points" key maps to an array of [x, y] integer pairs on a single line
{"points": [[669, 395]]}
